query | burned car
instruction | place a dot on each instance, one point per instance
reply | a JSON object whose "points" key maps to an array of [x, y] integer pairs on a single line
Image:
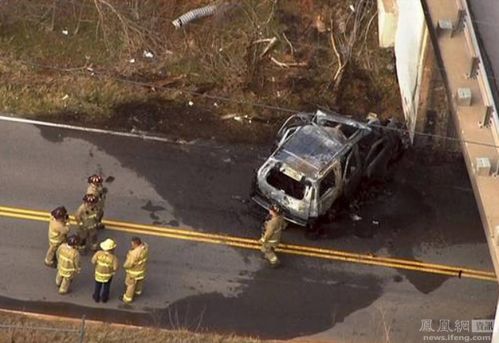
{"points": [[319, 158]]}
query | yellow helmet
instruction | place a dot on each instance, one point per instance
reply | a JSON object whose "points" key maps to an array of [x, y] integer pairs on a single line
{"points": [[108, 244]]}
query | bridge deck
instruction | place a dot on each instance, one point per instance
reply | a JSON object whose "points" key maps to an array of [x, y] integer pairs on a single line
{"points": [[454, 55], [485, 16]]}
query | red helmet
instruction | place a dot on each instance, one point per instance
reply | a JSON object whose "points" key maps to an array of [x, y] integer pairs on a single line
{"points": [[73, 240], [95, 179], [90, 199], [60, 213]]}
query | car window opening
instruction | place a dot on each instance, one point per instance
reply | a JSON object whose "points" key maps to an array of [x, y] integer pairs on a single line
{"points": [[347, 130], [329, 182], [290, 186]]}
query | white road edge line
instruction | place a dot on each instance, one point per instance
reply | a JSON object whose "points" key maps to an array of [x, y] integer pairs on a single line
{"points": [[93, 130]]}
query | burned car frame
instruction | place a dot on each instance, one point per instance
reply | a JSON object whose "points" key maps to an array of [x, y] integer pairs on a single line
{"points": [[321, 157]]}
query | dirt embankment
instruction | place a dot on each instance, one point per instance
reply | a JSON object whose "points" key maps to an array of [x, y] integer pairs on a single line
{"points": [[233, 76]]}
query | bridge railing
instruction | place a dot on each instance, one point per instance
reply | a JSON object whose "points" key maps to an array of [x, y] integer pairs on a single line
{"points": [[477, 68]]}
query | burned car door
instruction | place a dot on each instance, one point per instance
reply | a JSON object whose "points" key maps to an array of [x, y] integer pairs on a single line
{"points": [[378, 157], [352, 172], [385, 146], [330, 187]]}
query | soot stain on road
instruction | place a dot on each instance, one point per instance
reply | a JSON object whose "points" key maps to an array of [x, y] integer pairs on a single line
{"points": [[52, 134], [274, 304], [152, 209], [277, 304], [75, 311], [408, 220], [201, 186], [425, 205]]}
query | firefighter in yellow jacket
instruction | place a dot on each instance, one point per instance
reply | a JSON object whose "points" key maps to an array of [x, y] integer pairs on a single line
{"points": [[68, 264], [106, 264], [272, 234], [87, 220], [96, 188], [58, 230], [135, 267]]}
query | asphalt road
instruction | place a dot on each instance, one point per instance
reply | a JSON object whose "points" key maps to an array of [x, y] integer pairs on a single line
{"points": [[426, 213]]}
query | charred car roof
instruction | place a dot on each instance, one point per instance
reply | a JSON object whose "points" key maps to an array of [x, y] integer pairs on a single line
{"points": [[313, 147]]}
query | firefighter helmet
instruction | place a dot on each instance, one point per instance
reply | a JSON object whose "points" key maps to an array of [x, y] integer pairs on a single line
{"points": [[95, 179], [90, 199], [73, 240], [59, 213]]}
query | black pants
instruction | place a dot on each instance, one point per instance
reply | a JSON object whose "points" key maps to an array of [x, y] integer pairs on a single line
{"points": [[101, 291]]}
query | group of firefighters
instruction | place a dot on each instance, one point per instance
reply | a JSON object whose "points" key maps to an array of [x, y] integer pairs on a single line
{"points": [[64, 249]]}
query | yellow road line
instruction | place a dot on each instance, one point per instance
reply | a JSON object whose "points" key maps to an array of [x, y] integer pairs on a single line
{"points": [[389, 259], [25, 211], [225, 239], [22, 216], [114, 223], [240, 242], [301, 250]]}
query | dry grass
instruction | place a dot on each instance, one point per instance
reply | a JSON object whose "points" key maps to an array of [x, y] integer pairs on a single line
{"points": [[216, 56], [100, 333]]}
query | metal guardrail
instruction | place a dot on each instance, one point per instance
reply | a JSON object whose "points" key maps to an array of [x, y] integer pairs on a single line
{"points": [[80, 332], [478, 66]]}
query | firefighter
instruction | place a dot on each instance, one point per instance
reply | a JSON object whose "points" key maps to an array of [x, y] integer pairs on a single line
{"points": [[96, 188], [58, 230], [106, 264], [135, 267], [271, 236], [68, 264], [87, 220]]}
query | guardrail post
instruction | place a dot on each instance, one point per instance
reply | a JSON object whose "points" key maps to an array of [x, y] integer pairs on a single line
{"points": [[487, 117], [475, 61], [82, 329], [459, 23]]}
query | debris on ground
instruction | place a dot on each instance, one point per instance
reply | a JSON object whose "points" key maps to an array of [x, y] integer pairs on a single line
{"points": [[213, 59], [229, 116], [193, 15], [239, 198], [271, 42], [238, 118], [355, 217], [147, 54]]}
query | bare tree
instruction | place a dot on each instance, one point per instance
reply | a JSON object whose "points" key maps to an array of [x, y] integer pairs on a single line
{"points": [[344, 43]]}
